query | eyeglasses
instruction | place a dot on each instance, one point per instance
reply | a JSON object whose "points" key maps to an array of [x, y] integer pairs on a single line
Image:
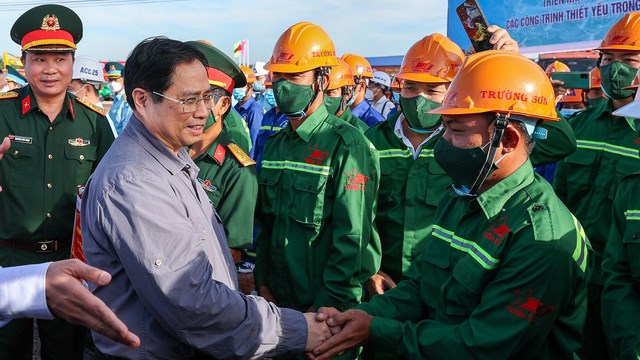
{"points": [[190, 104]]}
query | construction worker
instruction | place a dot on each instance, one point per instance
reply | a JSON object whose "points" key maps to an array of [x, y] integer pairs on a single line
{"points": [[273, 121], [56, 143], [621, 264], [259, 86], [248, 108], [362, 73], [396, 87], [607, 151], [226, 172], [339, 92], [503, 272], [379, 86], [594, 95], [572, 102], [317, 187]]}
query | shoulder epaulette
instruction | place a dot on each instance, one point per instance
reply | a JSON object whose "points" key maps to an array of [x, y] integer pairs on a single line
{"points": [[91, 106], [8, 95], [240, 155]]}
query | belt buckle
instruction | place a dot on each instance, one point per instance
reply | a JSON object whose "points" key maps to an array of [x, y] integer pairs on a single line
{"points": [[46, 246]]}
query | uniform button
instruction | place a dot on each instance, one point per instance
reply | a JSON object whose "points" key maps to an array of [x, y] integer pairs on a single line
{"points": [[50, 127], [81, 157], [50, 156], [537, 207], [49, 185], [636, 236], [16, 152], [158, 262], [48, 215]]}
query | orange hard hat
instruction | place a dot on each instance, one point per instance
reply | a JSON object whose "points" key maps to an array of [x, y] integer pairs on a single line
{"points": [[302, 47], [248, 73], [433, 59], [359, 65], [573, 96], [623, 35], [557, 66], [502, 82], [635, 83], [396, 84], [596, 79], [340, 76]]}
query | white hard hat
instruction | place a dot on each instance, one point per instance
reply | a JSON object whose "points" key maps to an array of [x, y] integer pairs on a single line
{"points": [[259, 69], [382, 78], [88, 69]]}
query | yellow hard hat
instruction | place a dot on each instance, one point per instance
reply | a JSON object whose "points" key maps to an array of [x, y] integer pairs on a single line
{"points": [[302, 47], [359, 65], [623, 35], [433, 59]]}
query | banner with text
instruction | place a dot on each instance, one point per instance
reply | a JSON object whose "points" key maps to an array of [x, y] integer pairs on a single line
{"points": [[547, 25]]}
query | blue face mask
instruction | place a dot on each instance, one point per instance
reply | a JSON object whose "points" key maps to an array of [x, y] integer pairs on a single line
{"points": [[396, 97], [239, 94], [258, 86], [568, 112], [271, 99], [462, 190]]}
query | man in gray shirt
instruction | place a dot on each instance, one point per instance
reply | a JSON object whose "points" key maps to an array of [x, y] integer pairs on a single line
{"points": [[147, 221]]}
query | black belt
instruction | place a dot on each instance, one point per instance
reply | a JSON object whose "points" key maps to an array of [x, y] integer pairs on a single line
{"points": [[46, 246]]}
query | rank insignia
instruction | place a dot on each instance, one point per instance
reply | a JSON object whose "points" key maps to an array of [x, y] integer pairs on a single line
{"points": [[219, 154], [91, 106], [26, 104], [240, 155], [79, 142], [207, 186], [8, 95]]}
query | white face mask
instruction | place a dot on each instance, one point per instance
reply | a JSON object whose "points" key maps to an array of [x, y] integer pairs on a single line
{"points": [[77, 91], [368, 94], [114, 87], [5, 89]]}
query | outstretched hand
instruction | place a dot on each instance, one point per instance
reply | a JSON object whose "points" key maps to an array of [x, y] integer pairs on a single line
{"points": [[353, 332], [69, 299]]}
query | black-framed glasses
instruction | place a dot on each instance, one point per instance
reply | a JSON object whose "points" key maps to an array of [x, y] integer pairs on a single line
{"points": [[190, 104]]}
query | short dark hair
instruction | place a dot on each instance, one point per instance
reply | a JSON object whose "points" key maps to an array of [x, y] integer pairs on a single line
{"points": [[219, 92], [152, 62], [520, 126]]}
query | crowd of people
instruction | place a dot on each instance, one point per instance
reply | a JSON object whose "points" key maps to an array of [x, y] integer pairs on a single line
{"points": [[468, 206]]}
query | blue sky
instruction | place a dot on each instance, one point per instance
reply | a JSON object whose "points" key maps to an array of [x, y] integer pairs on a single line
{"points": [[368, 28]]}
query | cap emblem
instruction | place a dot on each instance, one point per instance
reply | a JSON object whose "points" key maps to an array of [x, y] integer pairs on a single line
{"points": [[50, 23]]}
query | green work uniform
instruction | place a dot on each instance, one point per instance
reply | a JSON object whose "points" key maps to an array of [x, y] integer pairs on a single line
{"points": [[502, 275], [316, 202], [410, 189], [39, 175], [621, 272], [237, 130], [355, 121], [232, 188]]}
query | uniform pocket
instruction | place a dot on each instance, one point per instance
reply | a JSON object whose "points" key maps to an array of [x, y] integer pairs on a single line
{"points": [[23, 164], [439, 181], [268, 190], [308, 202], [579, 166], [465, 288], [80, 162], [631, 242]]}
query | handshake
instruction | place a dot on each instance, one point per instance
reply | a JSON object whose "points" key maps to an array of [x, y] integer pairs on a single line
{"points": [[332, 332]]}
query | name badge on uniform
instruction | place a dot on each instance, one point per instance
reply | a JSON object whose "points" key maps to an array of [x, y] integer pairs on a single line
{"points": [[79, 142], [21, 139]]}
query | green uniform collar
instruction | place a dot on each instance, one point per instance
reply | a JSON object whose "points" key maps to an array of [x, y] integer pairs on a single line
{"points": [[223, 140], [309, 125], [492, 201], [28, 103]]}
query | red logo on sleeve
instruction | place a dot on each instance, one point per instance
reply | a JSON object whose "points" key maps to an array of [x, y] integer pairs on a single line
{"points": [[356, 181], [528, 307], [498, 231]]}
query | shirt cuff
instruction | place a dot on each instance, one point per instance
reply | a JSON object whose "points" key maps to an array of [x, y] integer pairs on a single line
{"points": [[385, 333], [294, 331], [25, 291]]}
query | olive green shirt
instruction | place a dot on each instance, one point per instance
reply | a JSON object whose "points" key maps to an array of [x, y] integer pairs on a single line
{"points": [[587, 180], [45, 164], [502, 275], [621, 272], [316, 202], [237, 130], [232, 189]]}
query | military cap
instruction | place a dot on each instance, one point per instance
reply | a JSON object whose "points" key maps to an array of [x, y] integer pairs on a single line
{"points": [[221, 70], [113, 69], [48, 27], [13, 75]]}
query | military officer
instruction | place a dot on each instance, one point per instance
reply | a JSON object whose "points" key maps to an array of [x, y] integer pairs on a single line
{"points": [[226, 172], [56, 142], [120, 110]]}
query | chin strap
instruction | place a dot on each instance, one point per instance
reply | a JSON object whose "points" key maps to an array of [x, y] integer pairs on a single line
{"points": [[302, 113], [500, 125]]}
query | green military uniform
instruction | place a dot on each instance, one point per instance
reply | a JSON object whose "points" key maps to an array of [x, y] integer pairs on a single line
{"points": [[621, 272], [410, 189], [348, 116], [502, 275], [237, 130], [231, 184], [316, 202]]}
